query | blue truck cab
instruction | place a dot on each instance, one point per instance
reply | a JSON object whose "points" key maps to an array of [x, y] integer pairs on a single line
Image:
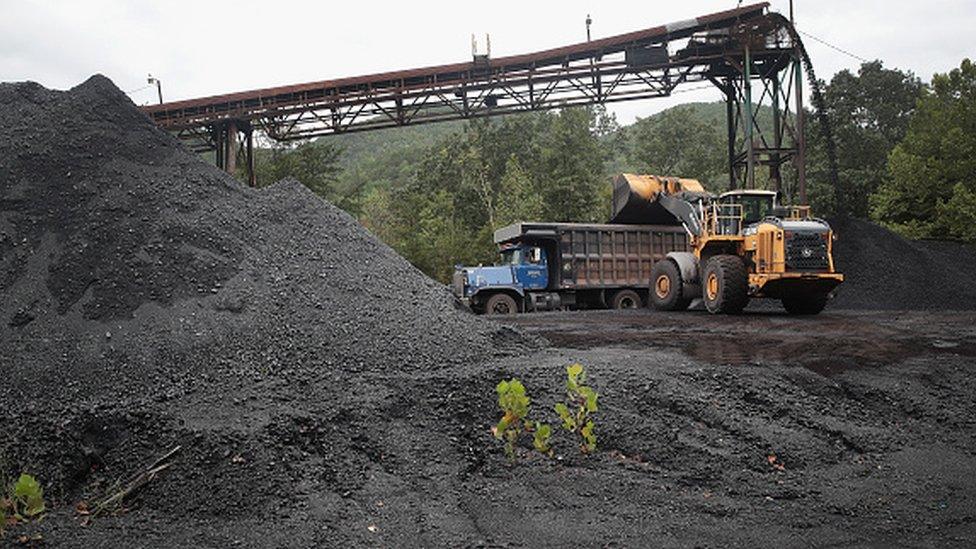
{"points": [[523, 268]]}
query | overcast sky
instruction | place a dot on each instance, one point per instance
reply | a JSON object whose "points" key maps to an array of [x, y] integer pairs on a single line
{"points": [[207, 47]]}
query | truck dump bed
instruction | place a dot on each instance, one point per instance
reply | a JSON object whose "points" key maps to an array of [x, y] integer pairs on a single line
{"points": [[598, 255]]}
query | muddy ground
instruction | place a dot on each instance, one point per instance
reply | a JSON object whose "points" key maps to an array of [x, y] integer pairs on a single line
{"points": [[850, 428], [870, 417]]}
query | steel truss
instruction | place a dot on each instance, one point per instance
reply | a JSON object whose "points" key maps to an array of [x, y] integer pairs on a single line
{"points": [[747, 53], [762, 82]]}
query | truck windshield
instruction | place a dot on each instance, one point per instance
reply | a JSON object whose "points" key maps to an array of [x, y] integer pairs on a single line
{"points": [[512, 256]]}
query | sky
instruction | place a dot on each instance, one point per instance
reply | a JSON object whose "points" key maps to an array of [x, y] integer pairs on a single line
{"points": [[208, 47]]}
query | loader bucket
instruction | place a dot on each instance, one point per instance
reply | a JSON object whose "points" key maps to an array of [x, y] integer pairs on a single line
{"points": [[635, 198]]}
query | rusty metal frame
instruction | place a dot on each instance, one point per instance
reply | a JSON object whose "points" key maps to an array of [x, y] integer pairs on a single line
{"points": [[774, 70], [580, 74], [432, 104], [759, 50]]}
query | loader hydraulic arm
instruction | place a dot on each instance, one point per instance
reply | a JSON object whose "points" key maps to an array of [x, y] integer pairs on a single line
{"points": [[683, 208]]}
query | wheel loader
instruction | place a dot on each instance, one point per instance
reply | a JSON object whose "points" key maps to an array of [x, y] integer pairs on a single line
{"points": [[744, 244]]}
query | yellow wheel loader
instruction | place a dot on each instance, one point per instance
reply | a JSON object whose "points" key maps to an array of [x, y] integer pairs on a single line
{"points": [[744, 245]]}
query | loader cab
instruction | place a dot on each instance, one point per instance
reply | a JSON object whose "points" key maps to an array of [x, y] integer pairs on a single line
{"points": [[756, 204]]}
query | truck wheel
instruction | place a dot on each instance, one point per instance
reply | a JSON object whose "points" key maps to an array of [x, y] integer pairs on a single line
{"points": [[626, 299], [805, 304], [667, 287], [725, 285], [501, 304]]}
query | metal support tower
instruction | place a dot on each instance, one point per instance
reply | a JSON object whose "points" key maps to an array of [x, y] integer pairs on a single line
{"points": [[233, 144], [762, 81]]}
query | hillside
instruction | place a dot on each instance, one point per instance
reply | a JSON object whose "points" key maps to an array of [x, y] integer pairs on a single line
{"points": [[366, 148], [376, 159]]}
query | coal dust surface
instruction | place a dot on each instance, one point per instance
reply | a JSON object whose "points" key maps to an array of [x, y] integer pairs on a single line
{"points": [[310, 388]]}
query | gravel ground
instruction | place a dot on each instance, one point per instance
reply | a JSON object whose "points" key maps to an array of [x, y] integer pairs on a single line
{"points": [[325, 393], [868, 419]]}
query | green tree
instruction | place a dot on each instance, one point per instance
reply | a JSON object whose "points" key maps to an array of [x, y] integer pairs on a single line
{"points": [[678, 142], [929, 191], [378, 216], [493, 172], [605, 123], [519, 199], [869, 113], [314, 164], [570, 168], [959, 212]]}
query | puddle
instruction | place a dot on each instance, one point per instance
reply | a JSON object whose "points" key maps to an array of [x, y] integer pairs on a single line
{"points": [[825, 345]]}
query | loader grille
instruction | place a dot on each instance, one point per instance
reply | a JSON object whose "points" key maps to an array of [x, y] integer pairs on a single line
{"points": [[806, 252]]}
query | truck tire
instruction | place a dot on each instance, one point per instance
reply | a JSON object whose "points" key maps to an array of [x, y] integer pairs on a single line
{"points": [[805, 303], [501, 304], [667, 287], [626, 299], [725, 285]]}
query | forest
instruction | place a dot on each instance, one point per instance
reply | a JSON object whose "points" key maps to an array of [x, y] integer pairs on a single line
{"points": [[906, 158]]}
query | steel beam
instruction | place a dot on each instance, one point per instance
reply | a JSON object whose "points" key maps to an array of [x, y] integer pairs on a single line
{"points": [[733, 50], [618, 68], [763, 116]]}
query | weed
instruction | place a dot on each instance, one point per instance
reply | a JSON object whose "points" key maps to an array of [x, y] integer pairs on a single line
{"points": [[580, 404], [21, 501], [576, 414], [28, 496], [515, 406], [541, 438]]}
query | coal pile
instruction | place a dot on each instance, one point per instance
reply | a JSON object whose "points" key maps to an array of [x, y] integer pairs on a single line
{"points": [[885, 271], [150, 301]]}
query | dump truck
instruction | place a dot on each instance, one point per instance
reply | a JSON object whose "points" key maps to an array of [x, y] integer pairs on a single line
{"points": [[551, 266], [669, 243], [744, 245]]}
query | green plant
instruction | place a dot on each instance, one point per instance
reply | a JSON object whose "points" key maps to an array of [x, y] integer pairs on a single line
{"points": [[515, 406], [28, 497], [580, 404], [541, 438], [21, 501]]}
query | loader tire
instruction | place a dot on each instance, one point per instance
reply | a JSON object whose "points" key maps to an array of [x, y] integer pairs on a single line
{"points": [[725, 285], [805, 304], [626, 299], [667, 287], [501, 304]]}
